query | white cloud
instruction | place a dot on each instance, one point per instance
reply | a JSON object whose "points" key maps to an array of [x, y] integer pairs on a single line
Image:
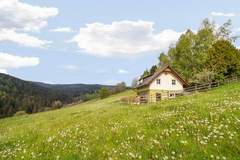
{"points": [[3, 71], [123, 38], [8, 61], [122, 71], [222, 14], [15, 14], [62, 29], [22, 39], [71, 67]]}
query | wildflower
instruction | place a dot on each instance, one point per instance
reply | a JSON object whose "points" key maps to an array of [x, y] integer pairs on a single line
{"points": [[49, 139], [183, 142]]}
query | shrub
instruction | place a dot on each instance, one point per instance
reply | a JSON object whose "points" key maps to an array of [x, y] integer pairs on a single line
{"points": [[104, 92], [20, 113], [47, 109], [120, 87], [205, 76], [57, 104]]}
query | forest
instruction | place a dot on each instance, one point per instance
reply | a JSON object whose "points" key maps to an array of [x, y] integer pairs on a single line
{"points": [[32, 97]]}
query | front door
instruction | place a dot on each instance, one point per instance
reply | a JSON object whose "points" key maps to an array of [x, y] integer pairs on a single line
{"points": [[158, 97]]}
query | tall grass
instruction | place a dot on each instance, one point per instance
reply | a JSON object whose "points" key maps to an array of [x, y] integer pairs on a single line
{"points": [[200, 126]]}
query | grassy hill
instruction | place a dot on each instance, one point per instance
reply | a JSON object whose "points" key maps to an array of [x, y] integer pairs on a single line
{"points": [[199, 126]]}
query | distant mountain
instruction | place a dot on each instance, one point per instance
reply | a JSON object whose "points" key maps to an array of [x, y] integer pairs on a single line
{"points": [[19, 95]]}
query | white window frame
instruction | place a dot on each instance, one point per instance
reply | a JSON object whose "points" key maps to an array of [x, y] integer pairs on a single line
{"points": [[158, 81], [174, 82]]}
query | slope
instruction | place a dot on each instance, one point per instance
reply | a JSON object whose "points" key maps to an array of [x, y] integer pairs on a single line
{"points": [[199, 126]]}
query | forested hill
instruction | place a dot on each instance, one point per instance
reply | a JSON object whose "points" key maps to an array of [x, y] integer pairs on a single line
{"points": [[31, 97]]}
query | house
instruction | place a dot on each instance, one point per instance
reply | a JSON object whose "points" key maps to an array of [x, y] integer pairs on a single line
{"points": [[165, 83]]}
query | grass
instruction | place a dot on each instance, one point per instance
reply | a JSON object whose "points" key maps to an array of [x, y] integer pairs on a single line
{"points": [[199, 126]]}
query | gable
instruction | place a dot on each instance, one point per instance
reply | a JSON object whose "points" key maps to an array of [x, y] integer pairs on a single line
{"points": [[166, 83], [148, 80]]}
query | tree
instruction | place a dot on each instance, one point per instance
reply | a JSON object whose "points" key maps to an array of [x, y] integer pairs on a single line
{"points": [[89, 96], [153, 69], [190, 53], [183, 55], [120, 87], [104, 92], [224, 31], [145, 73], [57, 104], [163, 59], [2, 98], [224, 59], [134, 82]]}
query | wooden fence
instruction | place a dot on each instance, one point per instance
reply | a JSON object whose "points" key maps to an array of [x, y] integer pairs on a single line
{"points": [[208, 86]]}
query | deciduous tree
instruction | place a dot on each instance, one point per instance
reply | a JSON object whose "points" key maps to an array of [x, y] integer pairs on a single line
{"points": [[224, 59]]}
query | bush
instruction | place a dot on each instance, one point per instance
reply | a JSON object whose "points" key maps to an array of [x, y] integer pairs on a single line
{"points": [[47, 109], [20, 113], [104, 92], [120, 87], [205, 76], [57, 104], [89, 96]]}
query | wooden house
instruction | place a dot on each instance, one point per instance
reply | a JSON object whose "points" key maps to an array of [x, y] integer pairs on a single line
{"points": [[165, 83]]}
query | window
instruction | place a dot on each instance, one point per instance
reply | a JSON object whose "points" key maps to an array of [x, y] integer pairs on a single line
{"points": [[158, 81], [172, 95], [173, 82]]}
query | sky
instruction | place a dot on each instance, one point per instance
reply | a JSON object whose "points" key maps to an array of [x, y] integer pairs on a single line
{"points": [[97, 41]]}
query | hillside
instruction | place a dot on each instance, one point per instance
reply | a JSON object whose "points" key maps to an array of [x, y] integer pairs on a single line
{"points": [[199, 126], [32, 97]]}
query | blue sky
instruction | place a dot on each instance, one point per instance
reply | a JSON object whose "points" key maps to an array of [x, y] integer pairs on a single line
{"points": [[94, 41]]}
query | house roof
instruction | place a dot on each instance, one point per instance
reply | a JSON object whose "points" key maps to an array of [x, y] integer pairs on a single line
{"points": [[148, 80]]}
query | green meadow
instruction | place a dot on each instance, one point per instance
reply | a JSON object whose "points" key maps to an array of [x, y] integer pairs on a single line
{"points": [[199, 126]]}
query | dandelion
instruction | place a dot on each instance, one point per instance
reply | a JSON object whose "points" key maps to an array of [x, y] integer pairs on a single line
{"points": [[183, 142], [49, 139]]}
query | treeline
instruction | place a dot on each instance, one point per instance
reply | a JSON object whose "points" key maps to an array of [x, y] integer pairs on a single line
{"points": [[206, 55], [31, 97], [105, 92]]}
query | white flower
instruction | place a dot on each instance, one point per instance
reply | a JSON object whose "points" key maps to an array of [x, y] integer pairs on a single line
{"points": [[49, 139]]}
